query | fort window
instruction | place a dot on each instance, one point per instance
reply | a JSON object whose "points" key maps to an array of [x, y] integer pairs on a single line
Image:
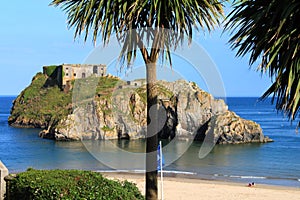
{"points": [[83, 75], [75, 74], [67, 74], [95, 69]]}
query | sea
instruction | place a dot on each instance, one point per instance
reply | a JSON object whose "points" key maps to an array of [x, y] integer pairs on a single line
{"points": [[275, 163]]}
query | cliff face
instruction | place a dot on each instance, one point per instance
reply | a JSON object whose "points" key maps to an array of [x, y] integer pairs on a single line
{"points": [[188, 110], [118, 112]]}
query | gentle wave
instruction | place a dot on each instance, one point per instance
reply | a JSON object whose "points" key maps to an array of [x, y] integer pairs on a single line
{"points": [[179, 172], [241, 177], [256, 178], [121, 171], [250, 112], [143, 171], [249, 177]]}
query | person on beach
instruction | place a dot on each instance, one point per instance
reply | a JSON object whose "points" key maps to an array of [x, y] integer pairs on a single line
{"points": [[251, 184]]}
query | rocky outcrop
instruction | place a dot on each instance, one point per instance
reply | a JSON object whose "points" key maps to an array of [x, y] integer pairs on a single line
{"points": [[40, 105], [118, 111], [189, 112], [121, 116], [194, 107], [229, 128]]}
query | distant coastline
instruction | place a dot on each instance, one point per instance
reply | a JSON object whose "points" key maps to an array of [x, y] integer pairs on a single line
{"points": [[9, 95]]}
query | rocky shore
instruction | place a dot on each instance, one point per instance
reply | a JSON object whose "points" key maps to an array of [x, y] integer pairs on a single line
{"points": [[119, 112]]}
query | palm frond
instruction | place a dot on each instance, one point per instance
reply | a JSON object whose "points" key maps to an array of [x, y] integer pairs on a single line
{"points": [[268, 30], [105, 17]]}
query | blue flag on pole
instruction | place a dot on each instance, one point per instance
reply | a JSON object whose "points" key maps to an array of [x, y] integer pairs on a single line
{"points": [[160, 158]]}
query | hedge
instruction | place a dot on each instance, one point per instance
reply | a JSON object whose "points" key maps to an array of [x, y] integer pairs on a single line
{"points": [[69, 184]]}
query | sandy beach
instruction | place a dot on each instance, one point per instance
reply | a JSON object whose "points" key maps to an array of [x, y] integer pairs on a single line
{"points": [[176, 188]]}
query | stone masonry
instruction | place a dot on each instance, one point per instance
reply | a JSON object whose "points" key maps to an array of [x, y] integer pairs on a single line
{"points": [[78, 71], [3, 173], [65, 73]]}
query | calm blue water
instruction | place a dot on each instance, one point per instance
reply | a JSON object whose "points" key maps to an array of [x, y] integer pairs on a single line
{"points": [[275, 163]]}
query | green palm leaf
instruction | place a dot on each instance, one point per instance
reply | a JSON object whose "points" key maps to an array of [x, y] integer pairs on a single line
{"points": [[268, 30], [106, 17]]}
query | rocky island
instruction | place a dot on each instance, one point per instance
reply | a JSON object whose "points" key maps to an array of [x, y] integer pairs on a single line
{"points": [[105, 107]]}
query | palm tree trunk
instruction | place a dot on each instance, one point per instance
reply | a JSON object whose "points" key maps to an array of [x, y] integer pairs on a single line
{"points": [[151, 139]]}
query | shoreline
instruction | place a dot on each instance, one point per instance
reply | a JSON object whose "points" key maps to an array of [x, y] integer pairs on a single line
{"points": [[187, 187], [191, 178], [239, 180]]}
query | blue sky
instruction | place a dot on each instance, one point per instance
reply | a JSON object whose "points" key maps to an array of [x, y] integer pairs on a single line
{"points": [[34, 34]]}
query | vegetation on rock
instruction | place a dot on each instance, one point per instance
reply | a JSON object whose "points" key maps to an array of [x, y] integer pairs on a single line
{"points": [[43, 106], [109, 108], [50, 69], [40, 106]]}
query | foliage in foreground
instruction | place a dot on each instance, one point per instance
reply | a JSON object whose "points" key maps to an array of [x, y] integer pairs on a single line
{"points": [[266, 30], [69, 184]]}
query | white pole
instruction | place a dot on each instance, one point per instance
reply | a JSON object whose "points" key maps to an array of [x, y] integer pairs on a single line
{"points": [[161, 171]]}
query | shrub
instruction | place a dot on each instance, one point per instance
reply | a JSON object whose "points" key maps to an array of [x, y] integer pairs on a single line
{"points": [[50, 69], [69, 184], [41, 106], [32, 91]]}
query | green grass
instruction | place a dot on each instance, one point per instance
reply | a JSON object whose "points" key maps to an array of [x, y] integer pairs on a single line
{"points": [[164, 92], [50, 69], [37, 84], [160, 90], [106, 128], [107, 85], [45, 105], [141, 91], [104, 92]]}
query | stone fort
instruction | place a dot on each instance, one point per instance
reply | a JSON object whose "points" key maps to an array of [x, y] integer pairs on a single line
{"points": [[65, 73]]}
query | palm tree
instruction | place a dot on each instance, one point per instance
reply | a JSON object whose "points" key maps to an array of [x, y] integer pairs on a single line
{"points": [[139, 24], [268, 30]]}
